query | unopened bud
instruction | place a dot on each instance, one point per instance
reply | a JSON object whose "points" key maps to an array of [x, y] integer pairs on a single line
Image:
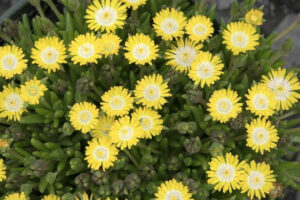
{"points": [[192, 145], [132, 181], [173, 163], [117, 187], [277, 190], [100, 177], [83, 180], [216, 149]]}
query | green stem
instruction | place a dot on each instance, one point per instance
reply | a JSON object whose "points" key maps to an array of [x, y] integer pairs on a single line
{"points": [[146, 147], [142, 71], [287, 30], [231, 68], [288, 114], [111, 60], [131, 158], [93, 66], [134, 15], [292, 130], [39, 9], [53, 8]]}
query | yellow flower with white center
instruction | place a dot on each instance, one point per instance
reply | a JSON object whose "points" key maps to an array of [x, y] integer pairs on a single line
{"points": [[141, 49], [284, 85], [182, 55], [100, 154], [225, 172], [16, 196], [11, 103], [125, 132], [110, 44], [32, 91], [258, 180], [224, 105], [169, 23], [102, 128], [48, 53], [106, 15], [199, 28], [254, 17], [117, 101], [83, 116], [261, 135], [12, 61], [2, 170], [150, 121], [173, 190], [134, 3], [85, 49], [240, 37], [151, 91], [51, 197], [261, 100], [206, 69]]}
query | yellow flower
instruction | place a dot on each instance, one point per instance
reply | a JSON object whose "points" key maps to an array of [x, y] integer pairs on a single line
{"points": [[151, 91], [51, 197], [169, 23], [258, 180], [141, 49], [85, 49], [125, 132], [225, 172], [85, 196], [16, 196], [4, 143], [284, 85], [100, 154], [224, 105], [254, 17], [173, 190], [32, 90], [262, 135], [11, 103], [206, 69], [12, 61], [134, 3], [117, 101], [83, 116], [110, 44], [183, 54], [199, 28], [150, 121], [240, 37], [105, 15], [48, 53], [103, 127], [261, 100], [2, 170]]}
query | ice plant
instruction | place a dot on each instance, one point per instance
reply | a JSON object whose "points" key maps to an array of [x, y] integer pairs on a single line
{"points": [[173, 190]]}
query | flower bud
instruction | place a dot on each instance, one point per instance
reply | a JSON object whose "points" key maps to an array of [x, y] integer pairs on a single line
{"points": [[237, 123], [107, 72], [147, 172], [195, 95], [77, 164], [67, 128], [180, 177], [10, 28], [15, 131], [38, 168], [192, 145], [192, 185], [60, 86], [277, 190], [173, 163], [132, 181], [117, 187], [83, 85], [100, 177], [216, 149], [83, 180], [218, 136], [183, 127]]}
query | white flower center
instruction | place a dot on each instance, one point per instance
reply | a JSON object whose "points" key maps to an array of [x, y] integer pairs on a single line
{"points": [[256, 180], [169, 26], [85, 117], [200, 29], [13, 103], [141, 51], [126, 133], [260, 102], [146, 122], [117, 103], [106, 16], [226, 172], [281, 88], [173, 195], [224, 106], [86, 50], [152, 92], [101, 153], [133, 1], [49, 55], [205, 70], [9, 62], [184, 56], [240, 39], [32, 90], [260, 136]]}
